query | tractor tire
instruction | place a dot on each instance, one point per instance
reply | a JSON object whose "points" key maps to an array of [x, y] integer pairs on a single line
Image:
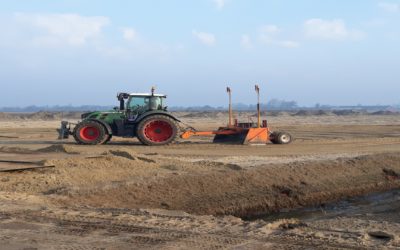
{"points": [[107, 139], [157, 130], [90, 133], [281, 138]]}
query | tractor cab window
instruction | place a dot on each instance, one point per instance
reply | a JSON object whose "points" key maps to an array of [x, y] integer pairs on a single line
{"points": [[138, 104], [141, 104], [137, 101]]}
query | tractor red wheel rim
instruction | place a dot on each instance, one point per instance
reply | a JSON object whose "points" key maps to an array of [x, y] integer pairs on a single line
{"points": [[158, 131], [89, 133]]}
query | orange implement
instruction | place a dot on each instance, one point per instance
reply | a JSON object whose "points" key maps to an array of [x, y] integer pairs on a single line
{"points": [[234, 135], [257, 136], [221, 131], [243, 132]]}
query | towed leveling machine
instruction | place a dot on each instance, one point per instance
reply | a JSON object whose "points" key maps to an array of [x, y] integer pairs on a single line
{"points": [[243, 132]]}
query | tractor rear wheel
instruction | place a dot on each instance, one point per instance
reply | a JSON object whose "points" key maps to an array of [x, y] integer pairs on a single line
{"points": [[281, 138], [157, 130], [89, 133]]}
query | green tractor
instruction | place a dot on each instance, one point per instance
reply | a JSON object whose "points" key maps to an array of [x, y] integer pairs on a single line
{"points": [[139, 115]]}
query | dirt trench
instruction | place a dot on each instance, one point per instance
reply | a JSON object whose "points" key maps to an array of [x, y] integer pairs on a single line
{"points": [[230, 190]]}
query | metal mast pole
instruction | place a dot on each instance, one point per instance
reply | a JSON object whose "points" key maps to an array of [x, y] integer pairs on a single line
{"points": [[258, 107], [228, 90]]}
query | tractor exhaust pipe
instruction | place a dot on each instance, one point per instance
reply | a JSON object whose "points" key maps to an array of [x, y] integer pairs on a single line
{"points": [[121, 98], [121, 104]]}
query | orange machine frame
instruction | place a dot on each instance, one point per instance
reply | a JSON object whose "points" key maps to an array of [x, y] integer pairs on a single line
{"points": [[250, 135], [237, 133]]}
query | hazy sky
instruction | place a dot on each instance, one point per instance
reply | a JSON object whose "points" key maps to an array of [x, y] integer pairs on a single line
{"points": [[312, 51]]}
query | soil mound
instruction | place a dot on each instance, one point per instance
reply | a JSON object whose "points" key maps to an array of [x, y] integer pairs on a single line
{"points": [[205, 114], [41, 116], [276, 113], [58, 148], [129, 154], [16, 150], [286, 224], [348, 112], [312, 113], [303, 113], [322, 112], [5, 116], [385, 112]]}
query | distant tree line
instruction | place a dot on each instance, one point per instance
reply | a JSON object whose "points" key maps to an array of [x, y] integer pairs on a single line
{"points": [[274, 105], [56, 108]]}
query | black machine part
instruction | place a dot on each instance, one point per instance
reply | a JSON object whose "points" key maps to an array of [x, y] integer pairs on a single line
{"points": [[121, 98], [64, 131]]}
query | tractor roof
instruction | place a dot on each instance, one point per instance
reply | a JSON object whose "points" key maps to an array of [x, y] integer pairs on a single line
{"points": [[146, 94]]}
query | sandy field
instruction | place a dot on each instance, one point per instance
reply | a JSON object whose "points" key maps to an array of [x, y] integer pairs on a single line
{"points": [[197, 195]]}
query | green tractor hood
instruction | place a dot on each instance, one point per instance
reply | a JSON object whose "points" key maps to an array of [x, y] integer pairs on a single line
{"points": [[106, 116]]}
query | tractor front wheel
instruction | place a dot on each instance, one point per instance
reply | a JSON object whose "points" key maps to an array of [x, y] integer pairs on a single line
{"points": [[89, 133], [157, 130], [107, 139]]}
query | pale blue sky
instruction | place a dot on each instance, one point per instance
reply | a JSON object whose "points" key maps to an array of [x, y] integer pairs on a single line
{"points": [[312, 51]]}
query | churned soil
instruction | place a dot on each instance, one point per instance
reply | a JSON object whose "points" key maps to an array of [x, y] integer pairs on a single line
{"points": [[198, 195]]}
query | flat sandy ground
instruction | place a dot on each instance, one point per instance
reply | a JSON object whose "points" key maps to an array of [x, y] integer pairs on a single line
{"points": [[197, 195]]}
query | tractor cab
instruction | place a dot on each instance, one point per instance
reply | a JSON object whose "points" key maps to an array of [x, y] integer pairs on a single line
{"points": [[140, 103]]}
